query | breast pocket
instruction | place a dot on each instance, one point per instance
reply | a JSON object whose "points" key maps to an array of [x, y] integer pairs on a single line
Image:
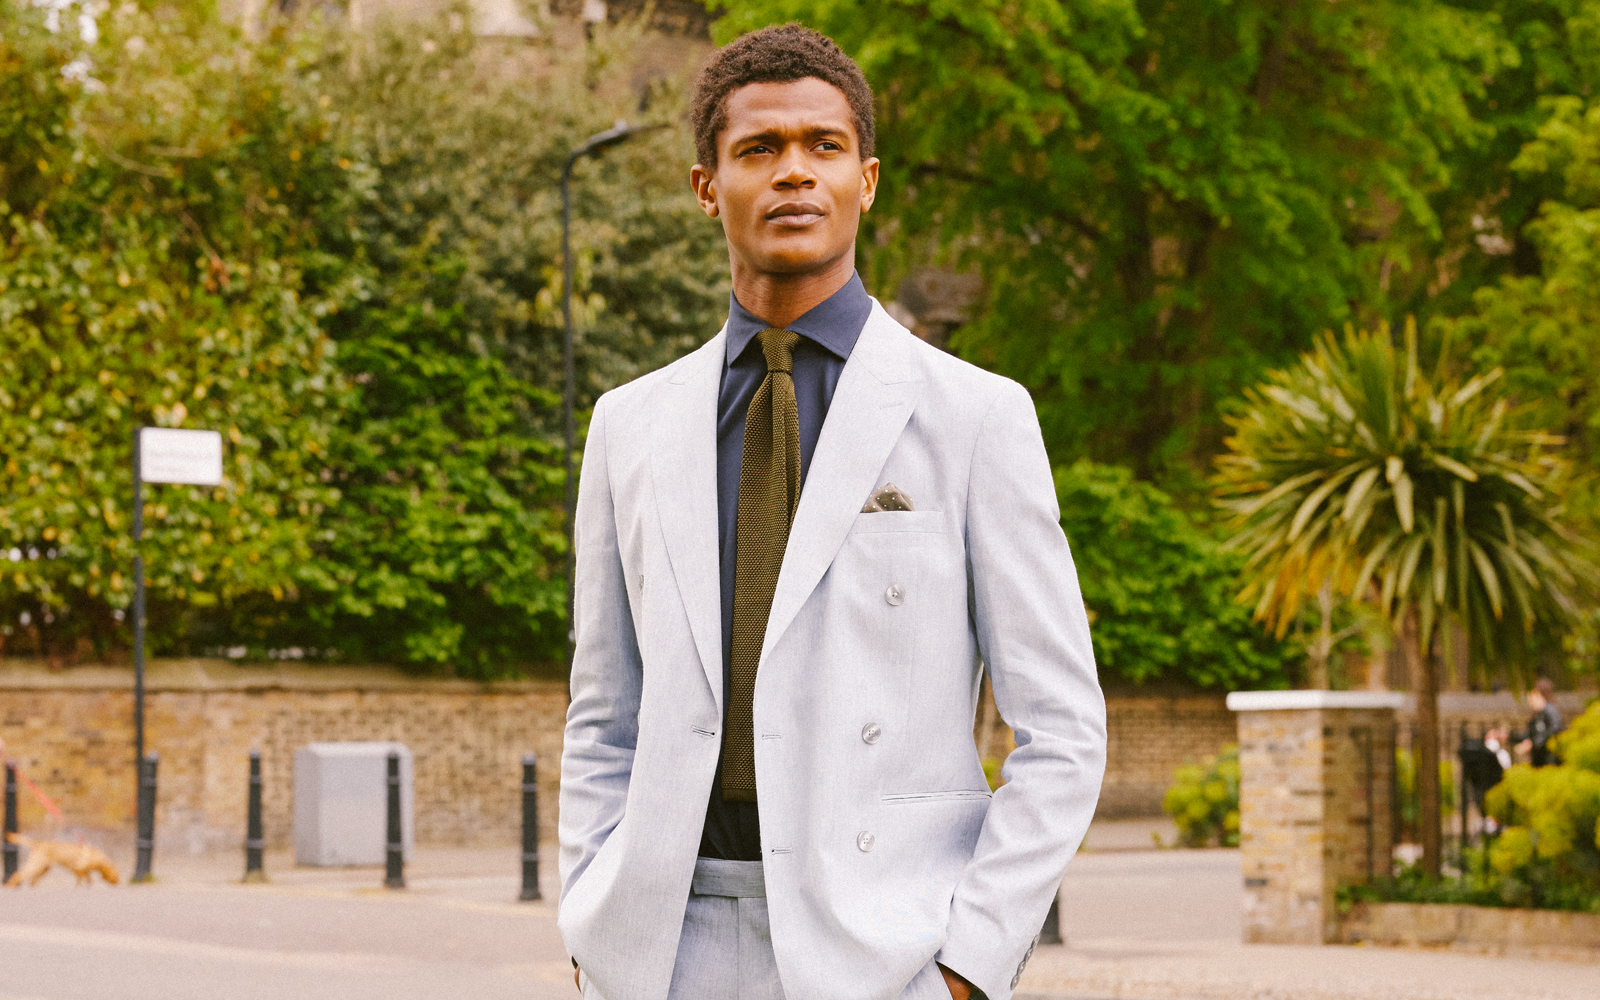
{"points": [[899, 559], [918, 521]]}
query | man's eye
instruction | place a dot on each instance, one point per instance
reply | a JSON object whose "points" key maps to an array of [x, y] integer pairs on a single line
{"points": [[828, 145], [755, 149]]}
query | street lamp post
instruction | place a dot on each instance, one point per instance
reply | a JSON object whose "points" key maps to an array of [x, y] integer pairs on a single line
{"points": [[595, 145], [160, 455]]}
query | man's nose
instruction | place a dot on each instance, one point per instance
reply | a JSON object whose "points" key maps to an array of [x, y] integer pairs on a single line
{"points": [[794, 169]]}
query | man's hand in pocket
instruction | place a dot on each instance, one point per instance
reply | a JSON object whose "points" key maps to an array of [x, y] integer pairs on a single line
{"points": [[960, 989]]}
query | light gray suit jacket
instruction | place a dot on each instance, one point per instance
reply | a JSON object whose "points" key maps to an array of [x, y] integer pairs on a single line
{"points": [[884, 849]]}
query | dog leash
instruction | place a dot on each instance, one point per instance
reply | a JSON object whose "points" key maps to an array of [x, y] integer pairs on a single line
{"points": [[33, 789]]}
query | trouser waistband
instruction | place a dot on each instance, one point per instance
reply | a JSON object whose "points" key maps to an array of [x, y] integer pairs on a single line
{"points": [[739, 879]]}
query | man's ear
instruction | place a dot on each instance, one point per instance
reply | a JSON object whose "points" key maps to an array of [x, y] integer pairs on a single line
{"points": [[705, 191], [869, 182]]}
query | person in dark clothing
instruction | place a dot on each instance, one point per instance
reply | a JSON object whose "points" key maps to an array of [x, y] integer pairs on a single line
{"points": [[1544, 723]]}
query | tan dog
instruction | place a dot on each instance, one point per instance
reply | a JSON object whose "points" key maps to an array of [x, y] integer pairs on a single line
{"points": [[81, 860]]}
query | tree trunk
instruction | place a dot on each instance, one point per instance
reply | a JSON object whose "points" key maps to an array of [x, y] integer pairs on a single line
{"points": [[1322, 646], [1425, 744]]}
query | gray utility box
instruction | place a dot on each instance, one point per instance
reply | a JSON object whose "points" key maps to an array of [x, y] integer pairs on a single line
{"points": [[341, 802]]}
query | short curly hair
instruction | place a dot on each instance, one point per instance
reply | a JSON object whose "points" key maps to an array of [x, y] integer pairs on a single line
{"points": [[779, 54]]}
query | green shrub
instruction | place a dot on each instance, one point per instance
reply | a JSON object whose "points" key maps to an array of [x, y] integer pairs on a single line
{"points": [[1406, 777], [1203, 800], [1548, 852], [1159, 590], [342, 251], [1579, 745], [158, 218], [1476, 886]]}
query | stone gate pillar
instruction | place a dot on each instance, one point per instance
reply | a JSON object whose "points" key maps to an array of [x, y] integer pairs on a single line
{"points": [[1316, 774]]}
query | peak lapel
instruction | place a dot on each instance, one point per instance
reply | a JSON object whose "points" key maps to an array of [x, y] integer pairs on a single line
{"points": [[683, 468], [871, 404]]}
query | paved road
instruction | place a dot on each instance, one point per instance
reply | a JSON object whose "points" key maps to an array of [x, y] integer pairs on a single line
{"points": [[1138, 925], [332, 936]]}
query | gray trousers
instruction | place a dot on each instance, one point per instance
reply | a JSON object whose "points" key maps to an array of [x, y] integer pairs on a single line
{"points": [[725, 951]]}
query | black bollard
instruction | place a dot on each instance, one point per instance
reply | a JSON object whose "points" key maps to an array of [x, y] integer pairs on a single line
{"points": [[8, 850], [254, 842], [146, 842], [530, 831], [395, 863], [1050, 933]]}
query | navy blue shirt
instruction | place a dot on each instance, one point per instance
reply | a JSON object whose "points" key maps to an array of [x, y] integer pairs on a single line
{"points": [[827, 335]]}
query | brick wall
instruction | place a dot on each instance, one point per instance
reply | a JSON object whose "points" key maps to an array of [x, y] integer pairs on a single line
{"points": [[1314, 815], [72, 732], [1147, 738]]}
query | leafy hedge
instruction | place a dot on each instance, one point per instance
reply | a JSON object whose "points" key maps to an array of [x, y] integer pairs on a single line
{"points": [[153, 272], [1548, 852], [343, 252], [1203, 800], [1159, 589], [1405, 769]]}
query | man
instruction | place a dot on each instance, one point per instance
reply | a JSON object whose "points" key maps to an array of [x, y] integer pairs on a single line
{"points": [[798, 547], [1544, 723]]}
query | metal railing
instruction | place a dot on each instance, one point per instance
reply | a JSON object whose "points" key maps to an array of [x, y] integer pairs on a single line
{"points": [[1469, 767]]}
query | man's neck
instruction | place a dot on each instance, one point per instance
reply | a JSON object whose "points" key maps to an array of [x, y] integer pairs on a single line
{"points": [[780, 299]]}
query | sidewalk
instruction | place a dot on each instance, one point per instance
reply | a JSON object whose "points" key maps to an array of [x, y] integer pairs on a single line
{"points": [[1165, 926], [489, 875], [1143, 925], [1143, 834]]}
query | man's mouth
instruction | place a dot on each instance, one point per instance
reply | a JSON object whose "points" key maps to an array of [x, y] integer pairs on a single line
{"points": [[796, 214]]}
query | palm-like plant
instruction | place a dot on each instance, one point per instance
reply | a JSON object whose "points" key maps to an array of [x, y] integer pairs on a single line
{"points": [[1418, 493]]}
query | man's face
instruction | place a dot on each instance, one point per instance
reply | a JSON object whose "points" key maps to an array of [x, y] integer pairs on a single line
{"points": [[789, 183], [1536, 700]]}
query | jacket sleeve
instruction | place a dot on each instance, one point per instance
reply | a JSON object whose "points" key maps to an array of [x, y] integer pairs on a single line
{"points": [[607, 673], [1033, 634]]}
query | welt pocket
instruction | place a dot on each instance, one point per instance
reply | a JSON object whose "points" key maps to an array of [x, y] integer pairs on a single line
{"points": [[931, 521], [913, 797]]}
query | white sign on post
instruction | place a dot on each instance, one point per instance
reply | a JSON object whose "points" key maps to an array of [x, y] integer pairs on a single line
{"points": [[168, 455]]}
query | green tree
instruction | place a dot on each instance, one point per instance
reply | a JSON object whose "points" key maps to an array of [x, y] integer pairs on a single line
{"points": [[1165, 199], [1421, 492], [1158, 589], [446, 549], [148, 276], [1489, 209], [463, 140], [1540, 327], [343, 251]]}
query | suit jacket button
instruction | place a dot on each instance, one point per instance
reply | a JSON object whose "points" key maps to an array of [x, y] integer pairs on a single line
{"points": [[895, 595], [865, 840], [870, 732]]}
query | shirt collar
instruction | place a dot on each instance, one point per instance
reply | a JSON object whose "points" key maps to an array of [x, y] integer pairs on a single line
{"points": [[834, 323]]}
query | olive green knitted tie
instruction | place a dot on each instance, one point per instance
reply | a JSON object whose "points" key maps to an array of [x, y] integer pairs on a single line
{"points": [[769, 489]]}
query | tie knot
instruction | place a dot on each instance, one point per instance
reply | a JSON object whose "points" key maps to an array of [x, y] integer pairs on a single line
{"points": [[778, 346]]}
